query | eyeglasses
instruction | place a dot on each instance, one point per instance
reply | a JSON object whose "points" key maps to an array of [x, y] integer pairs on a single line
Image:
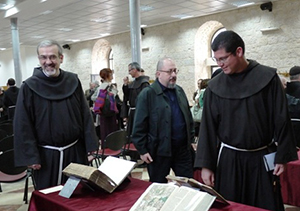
{"points": [[170, 71], [51, 57], [221, 60]]}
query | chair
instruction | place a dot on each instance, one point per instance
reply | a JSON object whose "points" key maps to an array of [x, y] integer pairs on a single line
{"points": [[6, 178], [3, 134], [9, 171], [113, 145], [7, 127], [11, 112], [6, 121], [130, 150], [6, 143], [296, 129]]}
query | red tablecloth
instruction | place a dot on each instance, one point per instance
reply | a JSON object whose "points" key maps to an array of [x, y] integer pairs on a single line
{"points": [[290, 183], [123, 199]]}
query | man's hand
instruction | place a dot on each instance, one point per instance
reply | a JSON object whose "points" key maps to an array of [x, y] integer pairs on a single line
{"points": [[35, 166], [208, 177], [279, 168], [146, 158], [126, 80]]}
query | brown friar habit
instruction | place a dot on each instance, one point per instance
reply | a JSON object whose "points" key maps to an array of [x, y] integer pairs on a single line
{"points": [[52, 111], [245, 110], [129, 99]]}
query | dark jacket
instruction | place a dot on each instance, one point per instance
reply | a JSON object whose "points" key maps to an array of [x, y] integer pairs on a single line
{"points": [[10, 96], [293, 88], [152, 122]]}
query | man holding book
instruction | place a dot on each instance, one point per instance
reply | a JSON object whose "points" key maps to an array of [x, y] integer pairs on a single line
{"points": [[163, 125]]}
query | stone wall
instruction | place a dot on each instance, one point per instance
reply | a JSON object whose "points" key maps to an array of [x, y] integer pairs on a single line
{"points": [[179, 40]]}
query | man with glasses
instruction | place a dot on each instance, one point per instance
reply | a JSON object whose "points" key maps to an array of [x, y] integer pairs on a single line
{"points": [[245, 112], [131, 91], [163, 125], [53, 125]]}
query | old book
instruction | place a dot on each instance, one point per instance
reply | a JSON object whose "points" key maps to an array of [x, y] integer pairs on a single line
{"points": [[190, 182], [170, 197], [110, 174]]}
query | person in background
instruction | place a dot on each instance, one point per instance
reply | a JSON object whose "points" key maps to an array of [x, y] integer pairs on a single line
{"points": [[108, 124], [293, 87], [89, 92], [10, 97], [2, 111], [163, 128], [130, 93], [246, 122], [294, 111], [53, 125], [88, 95], [196, 96], [119, 107]]}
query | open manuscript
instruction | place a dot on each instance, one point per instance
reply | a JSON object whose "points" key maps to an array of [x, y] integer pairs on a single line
{"points": [[190, 182], [171, 197], [110, 174]]}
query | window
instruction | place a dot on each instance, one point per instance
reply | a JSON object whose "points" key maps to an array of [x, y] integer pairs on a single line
{"points": [[214, 67]]}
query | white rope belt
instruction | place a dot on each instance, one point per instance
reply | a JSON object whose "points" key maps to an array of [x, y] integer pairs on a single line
{"points": [[239, 149], [243, 150], [61, 159], [130, 110]]}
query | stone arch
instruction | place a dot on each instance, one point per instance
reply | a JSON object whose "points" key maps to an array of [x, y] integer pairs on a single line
{"points": [[202, 48], [100, 55]]}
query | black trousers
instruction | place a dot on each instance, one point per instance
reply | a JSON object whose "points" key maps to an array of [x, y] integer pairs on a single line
{"points": [[181, 163]]}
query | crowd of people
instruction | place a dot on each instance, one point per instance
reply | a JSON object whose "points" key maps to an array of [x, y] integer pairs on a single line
{"points": [[246, 114]]}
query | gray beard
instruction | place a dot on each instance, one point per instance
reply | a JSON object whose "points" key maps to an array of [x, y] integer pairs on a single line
{"points": [[171, 86]]}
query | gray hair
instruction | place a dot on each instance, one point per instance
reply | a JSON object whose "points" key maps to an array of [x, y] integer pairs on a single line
{"points": [[46, 43], [135, 65]]}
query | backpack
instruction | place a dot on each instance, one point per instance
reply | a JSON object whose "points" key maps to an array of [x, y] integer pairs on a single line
{"points": [[106, 109], [105, 104]]}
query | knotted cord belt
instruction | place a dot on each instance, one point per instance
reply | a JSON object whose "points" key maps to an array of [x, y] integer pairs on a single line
{"points": [[61, 159], [239, 149]]}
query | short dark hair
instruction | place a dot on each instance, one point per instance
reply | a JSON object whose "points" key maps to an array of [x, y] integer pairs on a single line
{"points": [[135, 65], [229, 40], [11, 82]]}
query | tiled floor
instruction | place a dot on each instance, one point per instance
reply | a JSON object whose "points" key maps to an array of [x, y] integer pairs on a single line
{"points": [[11, 197]]}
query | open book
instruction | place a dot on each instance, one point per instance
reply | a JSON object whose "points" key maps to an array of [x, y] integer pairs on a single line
{"points": [[190, 182], [110, 174], [170, 197]]}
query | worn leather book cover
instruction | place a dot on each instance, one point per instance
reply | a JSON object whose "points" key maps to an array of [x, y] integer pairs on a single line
{"points": [[111, 173]]}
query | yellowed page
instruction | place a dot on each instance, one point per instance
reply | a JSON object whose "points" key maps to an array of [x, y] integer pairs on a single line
{"points": [[154, 197], [188, 199]]}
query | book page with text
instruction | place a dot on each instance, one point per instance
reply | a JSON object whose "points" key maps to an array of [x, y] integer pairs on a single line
{"points": [[185, 198], [154, 197]]}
